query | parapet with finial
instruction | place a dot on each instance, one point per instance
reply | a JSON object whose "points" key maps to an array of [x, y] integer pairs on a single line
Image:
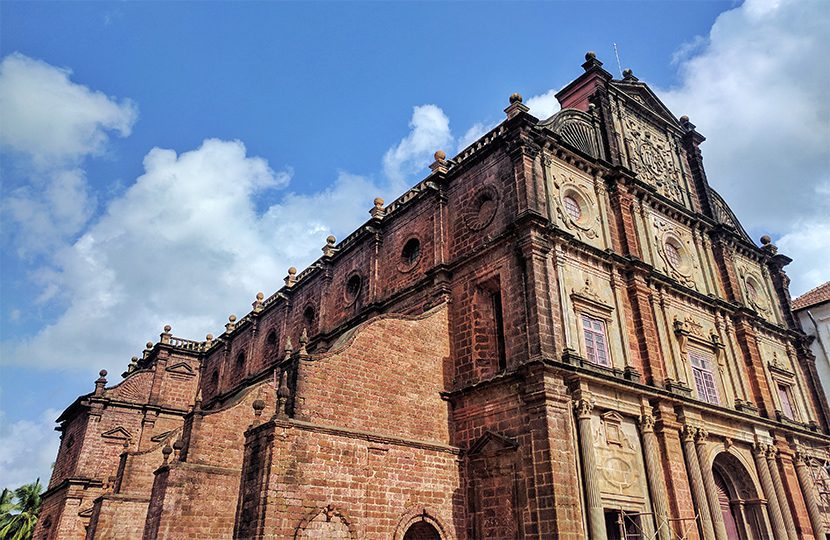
{"points": [[516, 106], [291, 278], [628, 75], [303, 342], [377, 210], [231, 324], [257, 305], [440, 164], [165, 335], [767, 245], [591, 61], [329, 249], [289, 349], [148, 348], [100, 382]]}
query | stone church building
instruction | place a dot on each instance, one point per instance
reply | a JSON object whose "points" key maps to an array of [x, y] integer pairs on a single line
{"points": [[563, 332]]}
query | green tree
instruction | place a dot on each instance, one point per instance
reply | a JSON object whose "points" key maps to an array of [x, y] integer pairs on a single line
{"points": [[18, 512]]}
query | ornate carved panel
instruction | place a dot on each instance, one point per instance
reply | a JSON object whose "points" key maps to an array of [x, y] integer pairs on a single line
{"points": [[676, 248], [652, 156]]}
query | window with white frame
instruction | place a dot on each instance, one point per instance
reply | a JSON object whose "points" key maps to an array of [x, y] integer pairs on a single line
{"points": [[596, 342], [785, 395], [703, 371]]}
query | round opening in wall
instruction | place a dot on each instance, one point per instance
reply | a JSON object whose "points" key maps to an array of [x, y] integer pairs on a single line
{"points": [[572, 208], [411, 253], [482, 208], [674, 255]]}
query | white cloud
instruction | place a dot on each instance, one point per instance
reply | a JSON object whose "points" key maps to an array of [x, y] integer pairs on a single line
{"points": [[27, 449], [757, 92], [52, 119], [429, 131], [544, 105], [50, 125]]}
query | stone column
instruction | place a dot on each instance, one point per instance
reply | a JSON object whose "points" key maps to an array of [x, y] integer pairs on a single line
{"points": [[696, 480], [776, 519], [808, 488], [656, 480], [709, 484], [593, 496], [786, 513]]}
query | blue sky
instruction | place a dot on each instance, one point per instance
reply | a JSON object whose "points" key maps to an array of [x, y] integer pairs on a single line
{"points": [[163, 162]]}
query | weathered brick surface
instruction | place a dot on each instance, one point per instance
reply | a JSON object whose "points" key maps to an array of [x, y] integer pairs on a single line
{"points": [[418, 380]]}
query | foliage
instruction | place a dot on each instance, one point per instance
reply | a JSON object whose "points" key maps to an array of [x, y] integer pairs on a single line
{"points": [[19, 510]]}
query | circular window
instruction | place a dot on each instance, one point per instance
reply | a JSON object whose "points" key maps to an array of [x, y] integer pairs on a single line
{"points": [[410, 254], [353, 286], [751, 291], [482, 209], [308, 315], [673, 255], [572, 208]]}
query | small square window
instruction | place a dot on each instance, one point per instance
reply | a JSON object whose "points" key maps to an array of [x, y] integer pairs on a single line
{"points": [[596, 344]]}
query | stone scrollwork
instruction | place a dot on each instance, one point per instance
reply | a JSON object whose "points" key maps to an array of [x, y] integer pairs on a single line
{"points": [[651, 157], [676, 250], [585, 221]]}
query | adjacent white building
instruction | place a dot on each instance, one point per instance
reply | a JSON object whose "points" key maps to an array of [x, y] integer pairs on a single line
{"points": [[813, 312]]}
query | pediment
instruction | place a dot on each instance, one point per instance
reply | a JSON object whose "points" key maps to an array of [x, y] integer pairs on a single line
{"points": [[117, 433], [492, 443], [161, 436], [643, 96], [182, 368]]}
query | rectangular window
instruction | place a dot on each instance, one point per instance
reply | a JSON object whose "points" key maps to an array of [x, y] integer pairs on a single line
{"points": [[621, 525], [497, 315], [596, 344], [707, 389], [785, 395]]}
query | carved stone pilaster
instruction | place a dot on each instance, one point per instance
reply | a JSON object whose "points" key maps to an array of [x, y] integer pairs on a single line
{"points": [[593, 496], [709, 484], [780, 492], [696, 481], [808, 488], [779, 529], [654, 474]]}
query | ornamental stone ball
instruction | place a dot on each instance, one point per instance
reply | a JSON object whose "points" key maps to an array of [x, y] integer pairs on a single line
{"points": [[232, 318], [103, 373], [292, 271], [167, 328], [178, 445], [260, 296], [331, 240], [515, 97], [378, 202], [590, 55], [149, 345], [684, 118], [440, 155], [627, 73], [766, 239], [166, 451]]}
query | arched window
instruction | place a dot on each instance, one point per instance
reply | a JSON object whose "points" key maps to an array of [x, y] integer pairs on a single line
{"points": [[421, 530]]}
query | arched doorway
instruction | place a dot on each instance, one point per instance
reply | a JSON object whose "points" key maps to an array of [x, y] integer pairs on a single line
{"points": [[740, 503], [421, 530]]}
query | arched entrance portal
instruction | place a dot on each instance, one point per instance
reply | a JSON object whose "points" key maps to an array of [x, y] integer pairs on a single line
{"points": [[421, 530], [740, 503]]}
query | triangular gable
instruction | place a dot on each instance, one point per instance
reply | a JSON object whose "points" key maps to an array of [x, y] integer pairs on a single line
{"points": [[117, 433], [87, 513], [182, 368], [494, 441], [643, 95]]}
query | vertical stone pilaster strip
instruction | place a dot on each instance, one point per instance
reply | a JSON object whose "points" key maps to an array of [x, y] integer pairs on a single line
{"points": [[789, 524], [776, 519], [709, 484], [696, 480], [654, 473], [810, 496], [593, 497]]}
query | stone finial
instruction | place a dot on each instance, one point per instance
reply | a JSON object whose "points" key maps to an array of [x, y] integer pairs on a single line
{"points": [[303, 341], [258, 405], [591, 61], [516, 106], [165, 335], [257, 305], [283, 393], [329, 249], [133, 364], [766, 244], [177, 448], [148, 348], [684, 119], [289, 348], [377, 210], [440, 163], [100, 382], [166, 451], [628, 75], [291, 278], [231, 324], [208, 341], [197, 406]]}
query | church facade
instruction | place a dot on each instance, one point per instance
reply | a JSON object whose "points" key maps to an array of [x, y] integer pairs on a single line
{"points": [[561, 333]]}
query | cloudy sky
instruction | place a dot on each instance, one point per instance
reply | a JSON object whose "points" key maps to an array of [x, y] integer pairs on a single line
{"points": [[162, 163]]}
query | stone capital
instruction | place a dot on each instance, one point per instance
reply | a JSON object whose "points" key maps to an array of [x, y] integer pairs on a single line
{"points": [[687, 434], [646, 423], [700, 435], [583, 408]]}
